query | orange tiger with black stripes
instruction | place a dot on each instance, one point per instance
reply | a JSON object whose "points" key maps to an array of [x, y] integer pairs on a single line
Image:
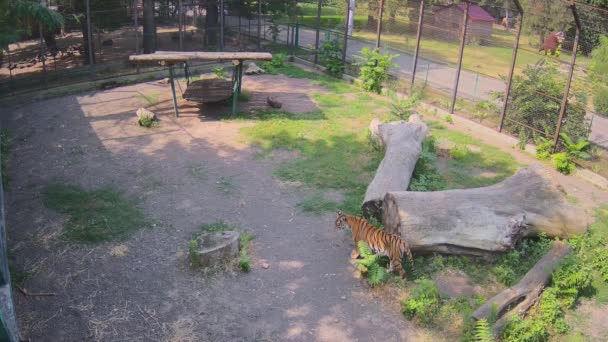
{"points": [[380, 242]]}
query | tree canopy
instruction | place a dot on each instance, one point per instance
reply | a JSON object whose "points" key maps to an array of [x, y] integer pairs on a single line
{"points": [[15, 15]]}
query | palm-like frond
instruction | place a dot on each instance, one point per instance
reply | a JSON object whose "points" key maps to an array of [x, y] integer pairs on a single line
{"points": [[13, 13]]}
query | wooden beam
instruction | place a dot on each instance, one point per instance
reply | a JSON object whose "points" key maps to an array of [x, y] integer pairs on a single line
{"points": [[173, 57]]}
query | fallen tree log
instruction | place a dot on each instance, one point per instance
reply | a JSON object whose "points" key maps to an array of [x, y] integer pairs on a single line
{"points": [[402, 142], [484, 220], [518, 299]]}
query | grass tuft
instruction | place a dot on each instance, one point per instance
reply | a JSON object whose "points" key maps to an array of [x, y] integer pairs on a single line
{"points": [[94, 216]]}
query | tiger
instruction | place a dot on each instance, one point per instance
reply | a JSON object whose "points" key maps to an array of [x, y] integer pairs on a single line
{"points": [[380, 242]]}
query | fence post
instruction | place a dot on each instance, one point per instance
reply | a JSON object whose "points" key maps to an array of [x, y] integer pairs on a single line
{"points": [[417, 50], [463, 39], [43, 57], [221, 25], [180, 24], [428, 69], [135, 16], [512, 68], [564, 104], [475, 86], [346, 31], [89, 35], [379, 30], [259, 25], [318, 31], [297, 36]]}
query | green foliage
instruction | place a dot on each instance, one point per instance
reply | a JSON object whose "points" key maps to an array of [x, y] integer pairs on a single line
{"points": [[94, 216], [193, 252], [483, 331], [598, 70], [535, 102], [459, 152], [148, 122], [220, 72], [17, 17], [370, 265], [330, 54], [511, 266], [424, 301], [544, 148], [600, 100], [449, 119], [576, 149], [5, 150], [277, 62], [401, 107], [563, 163], [374, 67], [217, 226], [426, 176], [244, 260]]}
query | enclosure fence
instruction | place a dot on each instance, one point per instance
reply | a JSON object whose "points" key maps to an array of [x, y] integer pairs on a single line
{"points": [[471, 58]]}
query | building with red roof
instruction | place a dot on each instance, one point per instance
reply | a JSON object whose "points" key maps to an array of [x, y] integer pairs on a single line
{"points": [[448, 20]]}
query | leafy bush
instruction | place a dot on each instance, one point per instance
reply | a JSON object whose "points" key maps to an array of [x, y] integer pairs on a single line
{"points": [[511, 266], [370, 265], [600, 100], [449, 119], [424, 301], [598, 70], [535, 102], [576, 150], [374, 68], [219, 72], [563, 163], [544, 147], [484, 109], [401, 107], [459, 152], [483, 331], [244, 260], [426, 176], [147, 121], [330, 54], [278, 61]]}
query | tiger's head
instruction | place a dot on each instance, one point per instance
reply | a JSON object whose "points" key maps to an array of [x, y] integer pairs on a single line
{"points": [[341, 221]]}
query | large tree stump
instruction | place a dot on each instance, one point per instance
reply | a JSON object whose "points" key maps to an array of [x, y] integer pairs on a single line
{"points": [[403, 143], [483, 220], [518, 299]]}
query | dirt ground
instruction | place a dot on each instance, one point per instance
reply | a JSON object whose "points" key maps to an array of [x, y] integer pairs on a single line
{"points": [[142, 289]]}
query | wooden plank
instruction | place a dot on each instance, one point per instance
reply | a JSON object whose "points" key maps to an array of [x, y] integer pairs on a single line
{"points": [[209, 90], [172, 57]]}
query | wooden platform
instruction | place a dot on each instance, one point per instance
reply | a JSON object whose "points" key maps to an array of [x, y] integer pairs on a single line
{"points": [[209, 90]]}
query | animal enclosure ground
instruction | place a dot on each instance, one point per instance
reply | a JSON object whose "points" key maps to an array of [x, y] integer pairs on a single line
{"points": [[276, 174]]}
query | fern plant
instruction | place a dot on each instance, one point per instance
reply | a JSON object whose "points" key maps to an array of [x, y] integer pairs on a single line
{"points": [[370, 266], [483, 331], [424, 301], [374, 68]]}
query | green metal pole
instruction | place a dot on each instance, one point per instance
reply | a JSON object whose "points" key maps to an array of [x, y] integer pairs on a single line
{"points": [[173, 91], [297, 40]]}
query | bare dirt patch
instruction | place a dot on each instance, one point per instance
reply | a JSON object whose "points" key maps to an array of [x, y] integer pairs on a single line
{"points": [[147, 291]]}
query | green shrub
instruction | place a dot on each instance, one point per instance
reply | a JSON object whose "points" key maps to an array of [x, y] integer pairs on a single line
{"points": [[600, 100], [148, 122], [219, 72], [576, 150], [459, 152], [374, 67], [402, 108], [426, 176], [535, 102], [278, 61], [563, 163], [424, 301], [330, 54], [511, 266], [370, 265], [449, 119], [544, 148]]}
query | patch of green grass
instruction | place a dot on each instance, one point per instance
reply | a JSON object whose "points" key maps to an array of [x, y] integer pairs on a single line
{"points": [[317, 204], [244, 260], [217, 226], [151, 98], [94, 216], [333, 84], [275, 114]]}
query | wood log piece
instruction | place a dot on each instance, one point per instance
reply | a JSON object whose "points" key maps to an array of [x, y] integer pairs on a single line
{"points": [[484, 220], [209, 90], [517, 299], [402, 142], [173, 57]]}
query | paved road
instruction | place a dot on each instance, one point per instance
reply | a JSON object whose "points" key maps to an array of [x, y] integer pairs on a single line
{"points": [[440, 76]]}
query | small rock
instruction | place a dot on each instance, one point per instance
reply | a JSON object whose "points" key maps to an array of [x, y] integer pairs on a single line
{"points": [[272, 102], [253, 69], [164, 81], [343, 297], [265, 265], [143, 113]]}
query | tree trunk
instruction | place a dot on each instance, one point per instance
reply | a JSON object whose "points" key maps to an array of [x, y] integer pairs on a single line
{"points": [[211, 24], [403, 144], [149, 27], [518, 299], [485, 220], [50, 41]]}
